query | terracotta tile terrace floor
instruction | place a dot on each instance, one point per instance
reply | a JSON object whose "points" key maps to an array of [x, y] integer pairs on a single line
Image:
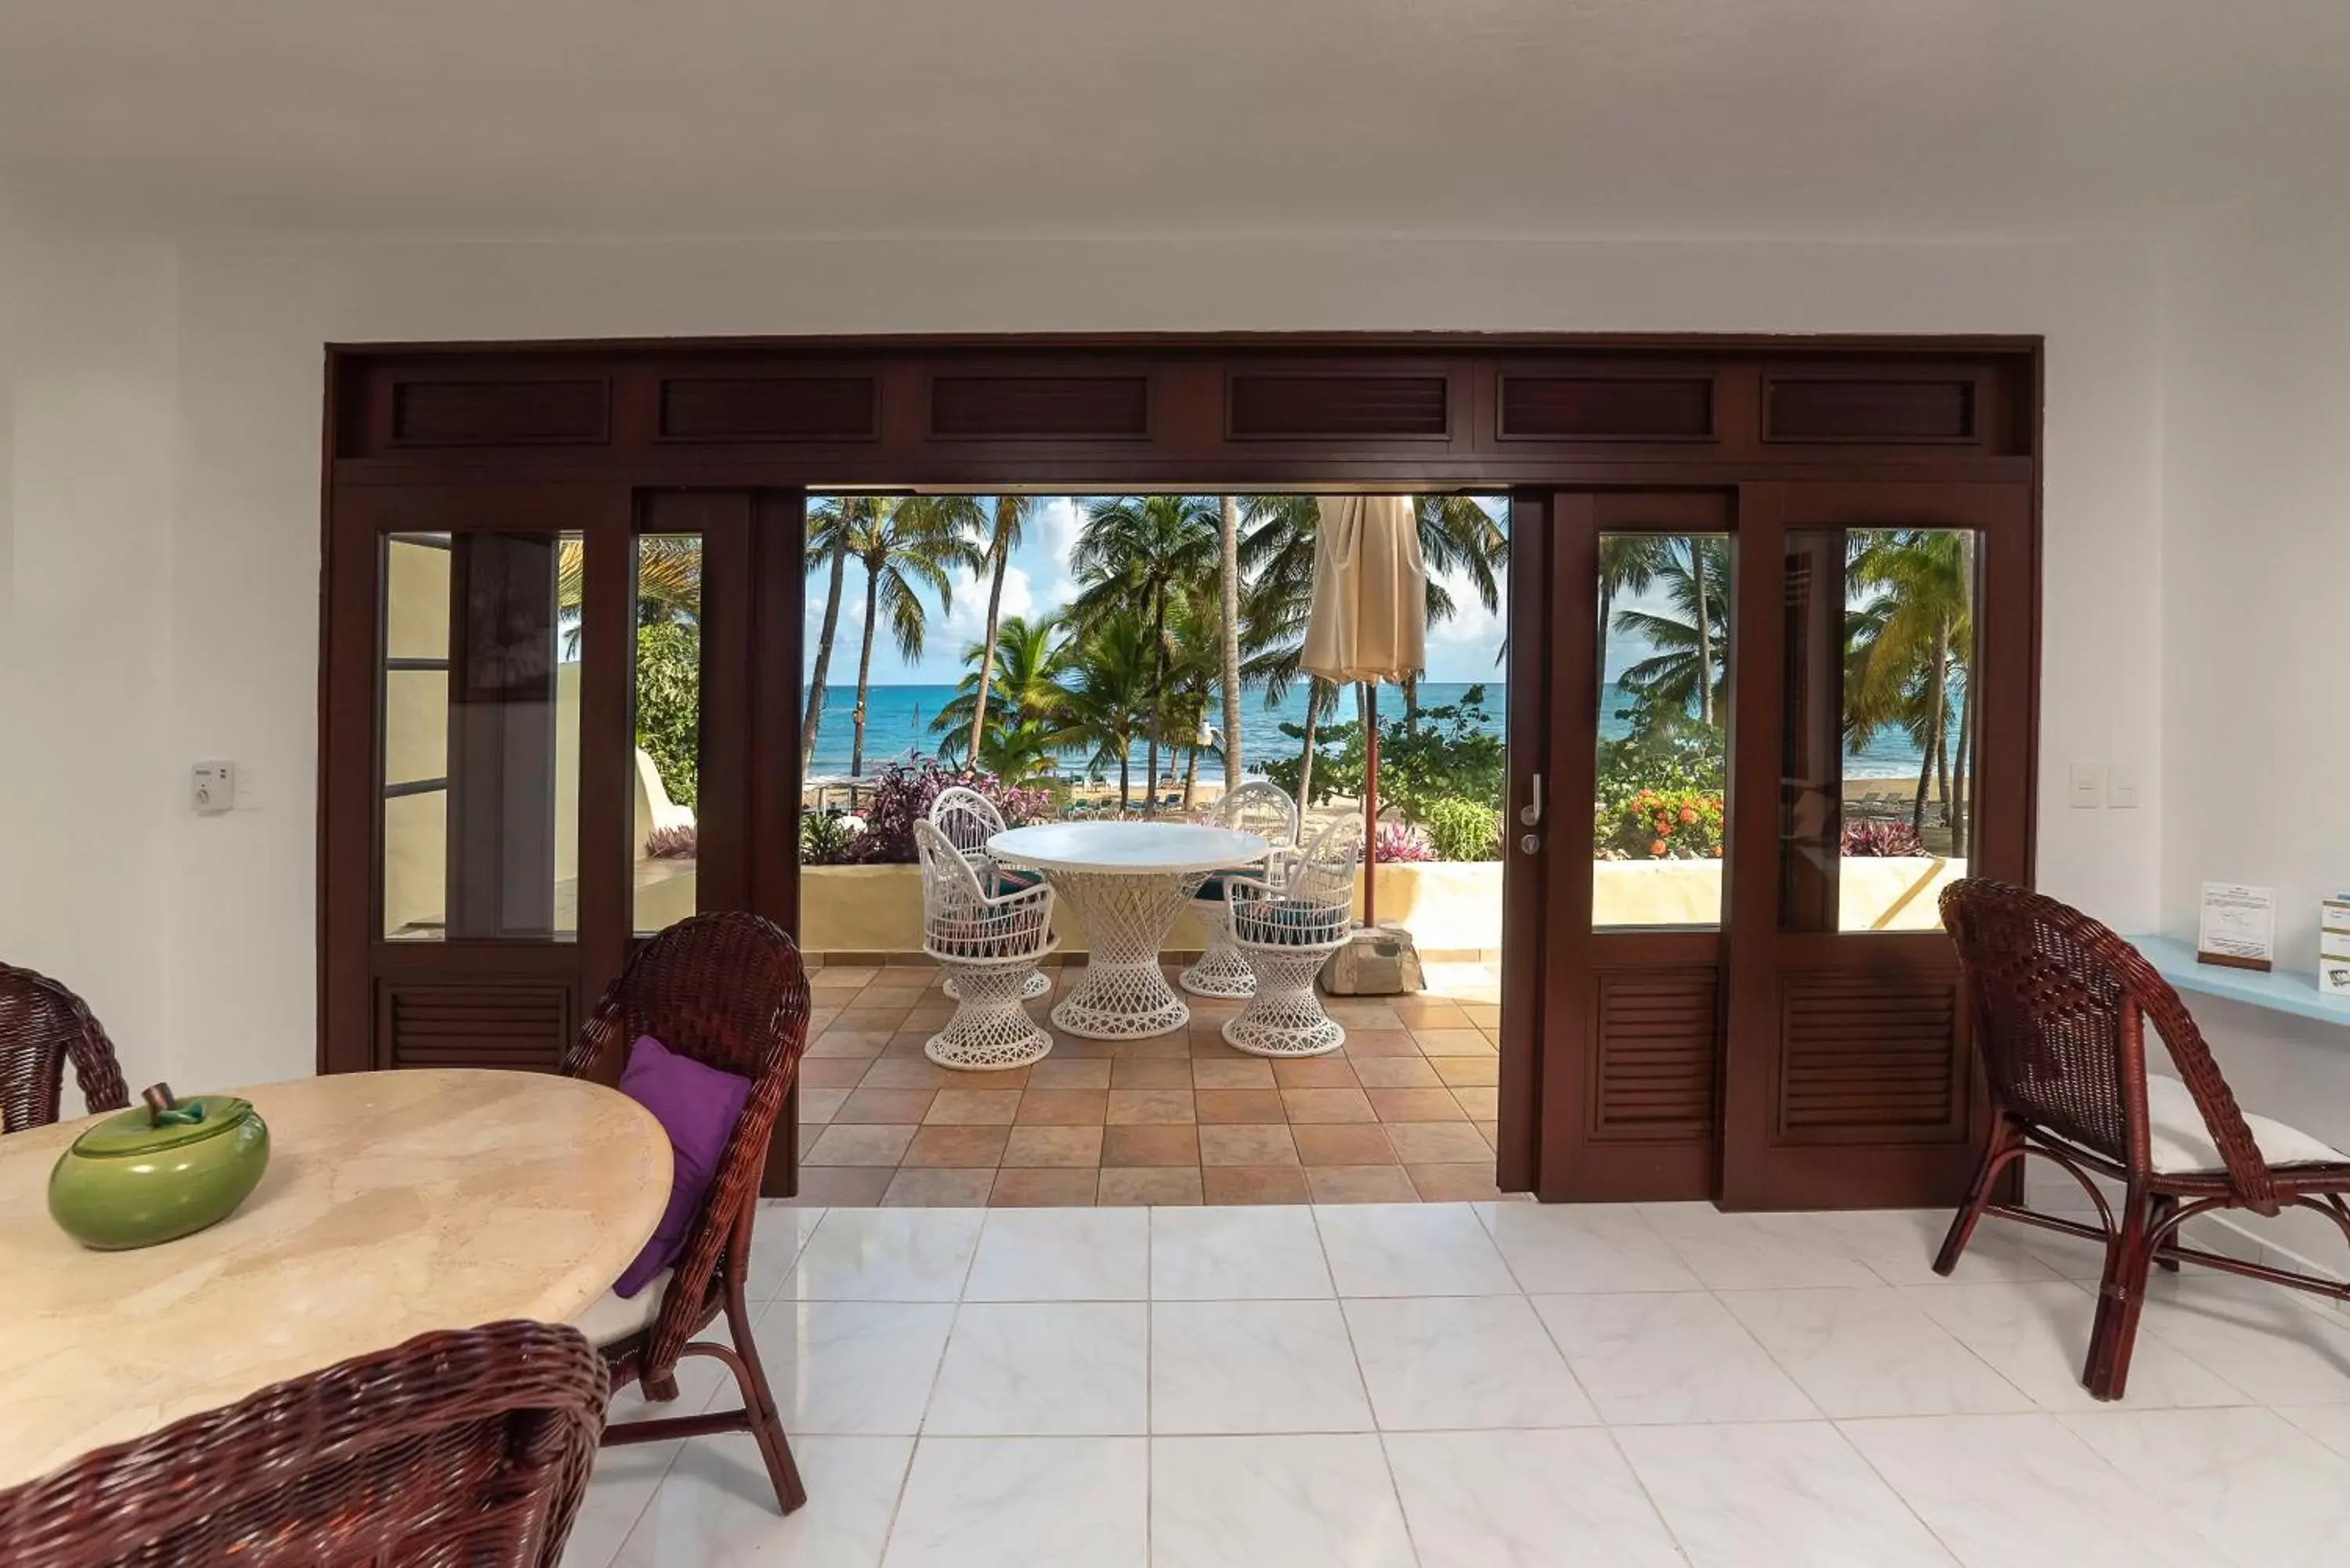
{"points": [[1403, 1112]]}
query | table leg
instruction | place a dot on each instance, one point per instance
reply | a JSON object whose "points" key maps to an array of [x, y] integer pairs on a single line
{"points": [[1120, 994]]}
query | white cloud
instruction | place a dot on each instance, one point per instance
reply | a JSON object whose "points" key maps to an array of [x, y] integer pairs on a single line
{"points": [[966, 623], [1058, 519], [1471, 623]]}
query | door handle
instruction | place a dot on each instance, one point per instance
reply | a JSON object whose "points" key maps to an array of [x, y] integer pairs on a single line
{"points": [[1530, 813]]}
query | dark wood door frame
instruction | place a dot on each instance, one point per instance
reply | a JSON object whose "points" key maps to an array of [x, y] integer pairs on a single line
{"points": [[765, 421]]}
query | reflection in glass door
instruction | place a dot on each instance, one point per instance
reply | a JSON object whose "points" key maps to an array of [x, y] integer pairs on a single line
{"points": [[1879, 723], [480, 753]]}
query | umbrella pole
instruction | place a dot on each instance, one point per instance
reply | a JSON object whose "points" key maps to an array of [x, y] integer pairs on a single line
{"points": [[1370, 802]]}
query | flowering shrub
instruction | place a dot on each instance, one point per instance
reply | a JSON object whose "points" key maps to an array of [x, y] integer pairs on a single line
{"points": [[1665, 825], [1397, 845], [1881, 839], [901, 795], [1463, 829]]}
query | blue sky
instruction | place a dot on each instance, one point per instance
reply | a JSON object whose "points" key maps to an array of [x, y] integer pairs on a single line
{"points": [[1039, 580]]}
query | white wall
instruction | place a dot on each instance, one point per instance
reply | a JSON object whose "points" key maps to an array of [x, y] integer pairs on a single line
{"points": [[235, 646], [87, 339], [2256, 475]]}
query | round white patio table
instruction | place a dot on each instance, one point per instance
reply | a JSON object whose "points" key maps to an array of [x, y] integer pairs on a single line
{"points": [[394, 1203], [1125, 882]]}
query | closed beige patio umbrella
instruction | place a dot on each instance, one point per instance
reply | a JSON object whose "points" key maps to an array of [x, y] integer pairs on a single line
{"points": [[1369, 621]]}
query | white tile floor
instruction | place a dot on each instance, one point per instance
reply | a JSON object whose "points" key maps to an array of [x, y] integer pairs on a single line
{"points": [[1493, 1385]]}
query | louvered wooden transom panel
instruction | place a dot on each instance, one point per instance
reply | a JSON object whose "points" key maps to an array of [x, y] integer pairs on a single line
{"points": [[1619, 408], [522, 1027], [1869, 1058], [1656, 1032], [1856, 411], [500, 413], [977, 408], [769, 408], [1271, 407]]}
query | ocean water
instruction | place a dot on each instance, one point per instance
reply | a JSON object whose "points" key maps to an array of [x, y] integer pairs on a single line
{"points": [[898, 727]]}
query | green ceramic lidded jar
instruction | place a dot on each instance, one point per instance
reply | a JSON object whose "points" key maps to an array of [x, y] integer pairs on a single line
{"points": [[159, 1171]]}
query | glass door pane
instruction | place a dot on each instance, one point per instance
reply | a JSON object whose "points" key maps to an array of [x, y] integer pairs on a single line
{"points": [[664, 774], [1664, 710], [1876, 799], [480, 753]]}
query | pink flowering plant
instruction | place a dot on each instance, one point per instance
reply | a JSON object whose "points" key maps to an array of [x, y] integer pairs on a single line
{"points": [[901, 795]]}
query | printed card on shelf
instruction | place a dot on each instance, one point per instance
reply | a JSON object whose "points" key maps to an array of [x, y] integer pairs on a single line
{"points": [[2238, 926]]}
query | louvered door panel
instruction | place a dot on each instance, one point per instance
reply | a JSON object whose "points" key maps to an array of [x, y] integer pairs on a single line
{"points": [[523, 1028], [1870, 1058], [1656, 1035]]}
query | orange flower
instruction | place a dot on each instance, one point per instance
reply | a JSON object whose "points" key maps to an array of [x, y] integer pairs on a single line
{"points": [[1657, 848], [1688, 814]]}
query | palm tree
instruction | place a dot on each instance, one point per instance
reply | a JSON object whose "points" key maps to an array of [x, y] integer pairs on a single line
{"points": [[1908, 646], [1628, 563], [668, 588], [1683, 673], [1228, 581], [1457, 535], [1191, 675], [1009, 520], [1031, 656], [830, 524], [1277, 555], [1106, 696], [905, 546], [1144, 551]]}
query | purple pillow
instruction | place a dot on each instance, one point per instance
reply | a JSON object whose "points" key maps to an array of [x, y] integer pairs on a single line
{"points": [[697, 1107]]}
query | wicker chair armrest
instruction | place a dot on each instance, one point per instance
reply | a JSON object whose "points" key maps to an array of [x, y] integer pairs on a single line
{"points": [[2239, 1152], [96, 1069], [1239, 890], [1041, 895]]}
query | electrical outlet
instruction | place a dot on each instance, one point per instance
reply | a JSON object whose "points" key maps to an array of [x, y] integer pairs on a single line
{"points": [[212, 788], [2088, 786], [2122, 793]]}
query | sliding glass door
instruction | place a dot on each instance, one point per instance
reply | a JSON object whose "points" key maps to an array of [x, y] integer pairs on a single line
{"points": [[1781, 717]]}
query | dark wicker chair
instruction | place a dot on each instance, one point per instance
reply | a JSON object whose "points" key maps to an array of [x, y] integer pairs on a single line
{"points": [[467, 1447], [2060, 1007], [728, 991], [41, 1026]]}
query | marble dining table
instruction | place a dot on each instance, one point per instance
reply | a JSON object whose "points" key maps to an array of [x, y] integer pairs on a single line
{"points": [[395, 1203]]}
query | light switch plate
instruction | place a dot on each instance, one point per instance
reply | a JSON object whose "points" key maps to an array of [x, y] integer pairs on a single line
{"points": [[2123, 789], [2088, 785], [212, 788]]}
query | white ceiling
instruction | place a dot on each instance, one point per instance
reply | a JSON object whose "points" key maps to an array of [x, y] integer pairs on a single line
{"points": [[2007, 118]]}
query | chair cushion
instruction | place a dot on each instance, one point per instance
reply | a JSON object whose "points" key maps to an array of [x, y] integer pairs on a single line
{"points": [[1298, 922], [2177, 1142], [697, 1107], [1211, 891], [613, 1317], [1008, 880]]}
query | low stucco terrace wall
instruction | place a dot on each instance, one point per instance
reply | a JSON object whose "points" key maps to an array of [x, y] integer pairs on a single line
{"points": [[1447, 906]]}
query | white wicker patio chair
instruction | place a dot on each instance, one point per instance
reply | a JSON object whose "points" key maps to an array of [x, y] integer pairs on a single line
{"points": [[1259, 807], [1285, 933], [989, 944], [969, 819]]}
